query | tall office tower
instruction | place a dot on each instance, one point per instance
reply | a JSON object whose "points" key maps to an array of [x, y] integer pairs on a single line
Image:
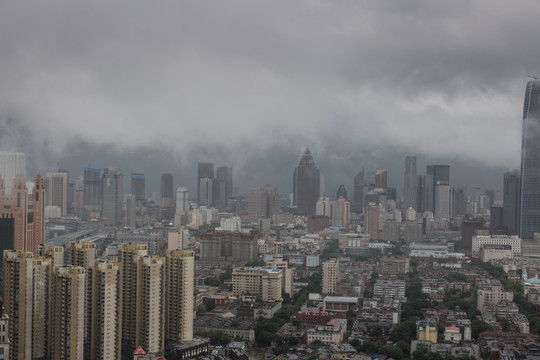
{"points": [[129, 255], [306, 185], [205, 171], [166, 194], [18, 301], [410, 196], [323, 207], [421, 193], [179, 294], [205, 192], [137, 187], [4, 333], [263, 202], [434, 174], [22, 216], [530, 163], [103, 327], [224, 175], [56, 190], [341, 192], [358, 201], [131, 215], [381, 179], [112, 189], [341, 212], [68, 313], [92, 188], [511, 199], [182, 199], [11, 164], [55, 253], [372, 220], [81, 253], [330, 276], [41, 308], [459, 203], [78, 195], [442, 200]]}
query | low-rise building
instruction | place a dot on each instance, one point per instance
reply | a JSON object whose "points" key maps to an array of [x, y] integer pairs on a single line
{"points": [[331, 332]]}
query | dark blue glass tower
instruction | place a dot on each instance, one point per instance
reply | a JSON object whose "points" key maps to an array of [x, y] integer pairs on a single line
{"points": [[530, 162]]}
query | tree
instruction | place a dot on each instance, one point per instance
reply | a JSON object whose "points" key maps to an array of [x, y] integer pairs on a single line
{"points": [[212, 281], [210, 304]]}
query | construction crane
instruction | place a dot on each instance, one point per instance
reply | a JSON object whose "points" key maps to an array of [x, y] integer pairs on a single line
{"points": [[534, 77]]}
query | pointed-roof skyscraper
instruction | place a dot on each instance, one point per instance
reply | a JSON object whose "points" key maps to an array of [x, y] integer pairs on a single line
{"points": [[306, 185]]}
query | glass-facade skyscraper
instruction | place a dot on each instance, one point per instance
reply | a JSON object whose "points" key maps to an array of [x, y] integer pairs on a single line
{"points": [[530, 162]]}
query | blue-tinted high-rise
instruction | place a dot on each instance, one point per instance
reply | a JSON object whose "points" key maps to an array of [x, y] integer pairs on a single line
{"points": [[530, 162]]}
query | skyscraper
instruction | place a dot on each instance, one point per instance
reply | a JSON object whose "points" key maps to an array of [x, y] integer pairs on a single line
{"points": [[410, 197], [92, 185], [138, 184], [306, 185], [358, 201], [11, 164], [381, 177], [434, 174], [112, 187], [167, 195], [224, 175], [511, 198], [205, 192], [205, 171], [131, 206], [56, 190], [530, 162], [341, 212], [182, 199], [442, 200], [341, 192], [263, 202]]}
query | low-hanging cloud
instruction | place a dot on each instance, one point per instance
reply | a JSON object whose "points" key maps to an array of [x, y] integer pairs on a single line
{"points": [[444, 79]]}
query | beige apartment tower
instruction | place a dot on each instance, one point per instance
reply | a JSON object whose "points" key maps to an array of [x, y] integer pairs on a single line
{"points": [[68, 313], [55, 253], [18, 301], [179, 293], [262, 283], [81, 253], [330, 276], [41, 308], [103, 327], [4, 333]]}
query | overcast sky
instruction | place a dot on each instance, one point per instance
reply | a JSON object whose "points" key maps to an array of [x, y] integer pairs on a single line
{"points": [[157, 86]]}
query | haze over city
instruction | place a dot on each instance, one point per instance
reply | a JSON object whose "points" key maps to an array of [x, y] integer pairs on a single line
{"points": [[251, 84]]}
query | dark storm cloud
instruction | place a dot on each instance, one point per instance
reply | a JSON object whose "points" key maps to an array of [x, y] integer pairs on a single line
{"points": [[444, 79]]}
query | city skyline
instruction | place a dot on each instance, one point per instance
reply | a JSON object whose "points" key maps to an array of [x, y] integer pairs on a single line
{"points": [[174, 95]]}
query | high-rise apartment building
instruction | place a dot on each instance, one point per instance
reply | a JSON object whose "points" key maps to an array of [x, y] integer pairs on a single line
{"points": [[78, 196], [358, 200], [4, 333], [205, 171], [42, 305], [228, 246], [55, 253], [103, 324], [324, 207], [372, 220], [18, 301], [92, 189], [112, 188], [511, 199], [56, 184], [410, 196], [11, 165], [68, 313], [330, 276], [530, 163], [307, 181], [166, 191], [179, 295], [263, 202], [262, 283], [381, 177], [434, 175], [81, 253], [341, 212]]}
